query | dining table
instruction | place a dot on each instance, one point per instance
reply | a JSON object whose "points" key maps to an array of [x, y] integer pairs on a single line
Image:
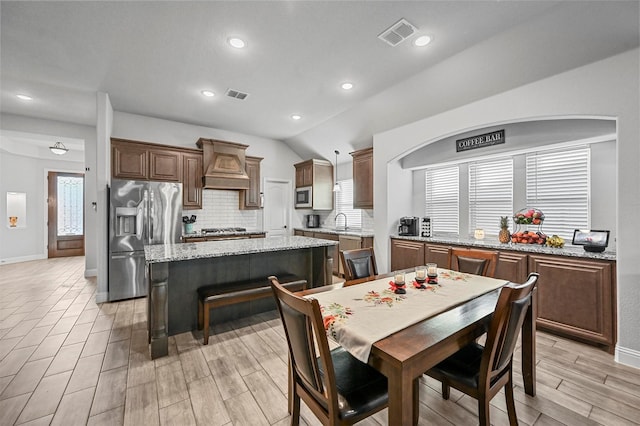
{"points": [[404, 333]]}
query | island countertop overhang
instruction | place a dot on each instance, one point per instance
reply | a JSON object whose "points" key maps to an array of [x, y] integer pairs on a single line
{"points": [[160, 253]]}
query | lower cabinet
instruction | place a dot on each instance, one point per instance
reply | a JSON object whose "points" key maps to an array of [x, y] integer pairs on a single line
{"points": [[406, 254], [576, 297], [512, 267], [333, 250], [436, 253], [345, 242]]}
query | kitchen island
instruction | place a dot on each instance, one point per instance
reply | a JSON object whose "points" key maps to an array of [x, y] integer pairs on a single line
{"points": [[176, 271]]}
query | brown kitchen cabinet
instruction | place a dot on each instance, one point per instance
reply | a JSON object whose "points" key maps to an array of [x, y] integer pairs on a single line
{"points": [[192, 180], [304, 174], [129, 161], [406, 254], [576, 298], [165, 165], [318, 174], [363, 178], [436, 253], [145, 161], [333, 250], [250, 198], [512, 267]]}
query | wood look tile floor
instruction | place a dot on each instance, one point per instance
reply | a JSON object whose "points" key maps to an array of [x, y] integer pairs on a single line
{"points": [[65, 360]]}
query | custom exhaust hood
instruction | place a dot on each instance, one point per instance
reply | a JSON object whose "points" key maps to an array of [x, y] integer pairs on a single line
{"points": [[224, 164]]}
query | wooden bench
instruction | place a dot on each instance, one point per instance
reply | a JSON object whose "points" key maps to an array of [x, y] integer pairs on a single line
{"points": [[223, 294]]}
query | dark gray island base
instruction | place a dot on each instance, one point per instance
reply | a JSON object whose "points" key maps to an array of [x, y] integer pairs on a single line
{"points": [[176, 271]]}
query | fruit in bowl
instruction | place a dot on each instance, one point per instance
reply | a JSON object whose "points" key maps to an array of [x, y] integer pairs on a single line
{"points": [[528, 237], [528, 217]]}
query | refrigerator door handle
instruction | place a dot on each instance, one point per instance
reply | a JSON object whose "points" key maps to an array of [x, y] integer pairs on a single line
{"points": [[145, 212], [151, 216]]}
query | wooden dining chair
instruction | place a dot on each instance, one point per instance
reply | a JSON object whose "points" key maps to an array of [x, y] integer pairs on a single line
{"points": [[338, 388], [472, 261], [358, 264], [481, 372]]}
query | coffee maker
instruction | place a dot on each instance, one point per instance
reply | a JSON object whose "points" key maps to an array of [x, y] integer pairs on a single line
{"points": [[408, 226], [312, 220]]}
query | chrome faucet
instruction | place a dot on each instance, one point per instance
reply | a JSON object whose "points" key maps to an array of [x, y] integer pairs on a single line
{"points": [[345, 220]]}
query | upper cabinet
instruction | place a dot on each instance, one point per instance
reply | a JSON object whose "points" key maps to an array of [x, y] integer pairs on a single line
{"points": [[146, 161], [165, 165], [304, 174], [318, 174], [192, 180], [250, 198], [363, 178], [129, 160]]}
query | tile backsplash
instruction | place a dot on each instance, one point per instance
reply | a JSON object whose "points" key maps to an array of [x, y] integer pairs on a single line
{"points": [[220, 209]]}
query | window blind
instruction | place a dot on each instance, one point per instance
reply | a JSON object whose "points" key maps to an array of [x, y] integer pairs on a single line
{"points": [[490, 194], [344, 204], [442, 203], [558, 184]]}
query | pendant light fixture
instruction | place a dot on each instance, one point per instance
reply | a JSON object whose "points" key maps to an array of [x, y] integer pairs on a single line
{"points": [[58, 148], [336, 186]]}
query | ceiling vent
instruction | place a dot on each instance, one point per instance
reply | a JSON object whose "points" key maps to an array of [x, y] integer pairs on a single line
{"points": [[236, 94], [398, 32]]}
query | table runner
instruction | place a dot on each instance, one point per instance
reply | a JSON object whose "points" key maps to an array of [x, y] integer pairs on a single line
{"points": [[358, 316]]}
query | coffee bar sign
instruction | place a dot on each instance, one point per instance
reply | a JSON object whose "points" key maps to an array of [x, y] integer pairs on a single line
{"points": [[488, 139]]}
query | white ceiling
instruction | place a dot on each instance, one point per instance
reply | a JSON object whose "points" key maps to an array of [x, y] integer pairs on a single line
{"points": [[154, 58]]}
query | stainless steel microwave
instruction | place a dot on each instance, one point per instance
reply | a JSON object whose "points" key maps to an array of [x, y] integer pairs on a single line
{"points": [[304, 197]]}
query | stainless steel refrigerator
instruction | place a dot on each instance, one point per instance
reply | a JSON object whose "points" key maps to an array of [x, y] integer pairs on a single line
{"points": [[140, 213]]}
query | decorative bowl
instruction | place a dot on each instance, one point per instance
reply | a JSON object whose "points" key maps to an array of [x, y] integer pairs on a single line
{"points": [[528, 216]]}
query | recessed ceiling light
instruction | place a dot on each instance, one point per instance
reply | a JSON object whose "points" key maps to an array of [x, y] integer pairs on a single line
{"points": [[347, 86], [422, 41], [24, 97], [208, 93], [236, 42], [296, 116]]}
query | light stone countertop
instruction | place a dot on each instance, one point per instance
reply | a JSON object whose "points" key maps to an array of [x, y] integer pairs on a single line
{"points": [[567, 250], [201, 250], [350, 232]]}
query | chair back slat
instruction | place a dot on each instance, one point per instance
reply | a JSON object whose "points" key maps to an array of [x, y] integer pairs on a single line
{"points": [[358, 263], [298, 328], [306, 339], [507, 321], [473, 261]]}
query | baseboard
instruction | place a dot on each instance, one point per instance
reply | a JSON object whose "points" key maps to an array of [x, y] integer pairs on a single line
{"points": [[9, 260], [102, 297], [628, 356], [90, 273]]}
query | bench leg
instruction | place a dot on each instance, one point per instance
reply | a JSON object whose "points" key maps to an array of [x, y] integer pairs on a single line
{"points": [[205, 327]]}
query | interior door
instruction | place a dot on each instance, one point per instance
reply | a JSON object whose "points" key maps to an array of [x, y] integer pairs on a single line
{"points": [[66, 214], [277, 205]]}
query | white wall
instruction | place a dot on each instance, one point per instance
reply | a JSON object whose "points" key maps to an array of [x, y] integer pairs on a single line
{"points": [[604, 89], [34, 171], [28, 175], [104, 124]]}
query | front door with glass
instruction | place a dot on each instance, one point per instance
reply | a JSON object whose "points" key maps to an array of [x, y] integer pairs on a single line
{"points": [[66, 214]]}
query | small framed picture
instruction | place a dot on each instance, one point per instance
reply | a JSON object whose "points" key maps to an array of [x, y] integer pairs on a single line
{"points": [[591, 238]]}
